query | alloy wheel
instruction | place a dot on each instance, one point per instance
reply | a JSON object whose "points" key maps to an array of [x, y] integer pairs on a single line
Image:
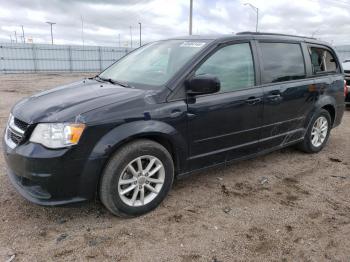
{"points": [[319, 131], [141, 181]]}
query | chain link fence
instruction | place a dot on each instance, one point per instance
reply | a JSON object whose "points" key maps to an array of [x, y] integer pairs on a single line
{"points": [[32, 58]]}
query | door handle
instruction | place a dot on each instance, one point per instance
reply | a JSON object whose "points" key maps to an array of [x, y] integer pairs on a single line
{"points": [[253, 100], [175, 113], [274, 98]]}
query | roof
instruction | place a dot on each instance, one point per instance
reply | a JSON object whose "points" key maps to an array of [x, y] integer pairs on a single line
{"points": [[251, 35]]}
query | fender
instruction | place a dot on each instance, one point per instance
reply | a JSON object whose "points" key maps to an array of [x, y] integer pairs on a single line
{"points": [[116, 137], [111, 141], [323, 100]]}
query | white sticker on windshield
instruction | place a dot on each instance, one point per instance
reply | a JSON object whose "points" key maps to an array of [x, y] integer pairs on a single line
{"points": [[192, 44]]}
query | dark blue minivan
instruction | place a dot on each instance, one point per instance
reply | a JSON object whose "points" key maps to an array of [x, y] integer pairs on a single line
{"points": [[168, 109]]}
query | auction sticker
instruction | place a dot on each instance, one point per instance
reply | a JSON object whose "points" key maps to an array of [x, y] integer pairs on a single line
{"points": [[192, 44]]}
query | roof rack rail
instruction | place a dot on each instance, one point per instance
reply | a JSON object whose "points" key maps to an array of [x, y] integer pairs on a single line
{"points": [[262, 33]]}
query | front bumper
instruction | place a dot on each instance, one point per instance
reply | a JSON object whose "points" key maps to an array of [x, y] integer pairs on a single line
{"points": [[51, 177]]}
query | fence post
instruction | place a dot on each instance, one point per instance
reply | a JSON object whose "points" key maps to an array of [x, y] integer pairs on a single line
{"points": [[70, 59], [34, 58], [100, 57]]}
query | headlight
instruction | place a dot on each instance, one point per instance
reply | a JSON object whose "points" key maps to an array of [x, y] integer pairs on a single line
{"points": [[57, 135]]}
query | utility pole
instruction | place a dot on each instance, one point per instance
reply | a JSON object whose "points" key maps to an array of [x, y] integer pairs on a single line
{"points": [[130, 37], [82, 29], [140, 32], [51, 23], [191, 12], [24, 40], [257, 14], [16, 36]]}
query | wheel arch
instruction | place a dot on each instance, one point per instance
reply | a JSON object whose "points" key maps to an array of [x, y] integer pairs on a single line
{"points": [[156, 131], [326, 102], [331, 110]]}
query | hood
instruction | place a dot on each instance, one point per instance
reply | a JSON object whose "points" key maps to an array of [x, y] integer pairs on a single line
{"points": [[346, 66], [66, 102]]}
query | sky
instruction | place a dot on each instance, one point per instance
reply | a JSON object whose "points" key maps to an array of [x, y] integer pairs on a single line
{"points": [[114, 22]]}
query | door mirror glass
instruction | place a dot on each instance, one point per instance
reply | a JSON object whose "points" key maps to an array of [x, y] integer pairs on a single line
{"points": [[203, 84]]}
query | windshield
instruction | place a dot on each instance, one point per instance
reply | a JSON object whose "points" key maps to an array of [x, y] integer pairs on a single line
{"points": [[153, 64]]}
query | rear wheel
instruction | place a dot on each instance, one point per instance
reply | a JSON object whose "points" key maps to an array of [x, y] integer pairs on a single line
{"points": [[137, 178], [317, 133]]}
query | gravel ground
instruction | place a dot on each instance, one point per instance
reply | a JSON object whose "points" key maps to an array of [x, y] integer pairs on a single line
{"points": [[284, 206]]}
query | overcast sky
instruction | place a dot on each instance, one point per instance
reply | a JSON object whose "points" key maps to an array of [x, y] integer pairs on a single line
{"points": [[105, 20]]}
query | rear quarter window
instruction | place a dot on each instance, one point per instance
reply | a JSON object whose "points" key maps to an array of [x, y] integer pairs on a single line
{"points": [[322, 60], [281, 62]]}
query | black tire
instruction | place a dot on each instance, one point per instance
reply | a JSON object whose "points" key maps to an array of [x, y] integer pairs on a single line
{"points": [[108, 190], [306, 145]]}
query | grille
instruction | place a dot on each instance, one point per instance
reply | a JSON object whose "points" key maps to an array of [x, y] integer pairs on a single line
{"points": [[14, 138], [21, 124], [15, 131]]}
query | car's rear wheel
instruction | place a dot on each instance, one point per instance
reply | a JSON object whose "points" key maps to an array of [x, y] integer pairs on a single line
{"points": [[137, 178], [317, 133]]}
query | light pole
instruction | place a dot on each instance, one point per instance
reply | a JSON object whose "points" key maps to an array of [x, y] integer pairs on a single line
{"points": [[82, 29], [191, 12], [130, 37], [16, 36], [24, 40], [257, 14], [140, 32], [51, 23]]}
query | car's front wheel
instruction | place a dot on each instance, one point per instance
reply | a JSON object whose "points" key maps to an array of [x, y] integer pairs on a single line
{"points": [[137, 178]]}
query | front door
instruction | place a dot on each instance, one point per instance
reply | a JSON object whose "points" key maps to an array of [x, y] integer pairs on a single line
{"points": [[226, 125]]}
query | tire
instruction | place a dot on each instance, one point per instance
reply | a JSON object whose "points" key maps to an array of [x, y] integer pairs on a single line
{"points": [[307, 144], [123, 167]]}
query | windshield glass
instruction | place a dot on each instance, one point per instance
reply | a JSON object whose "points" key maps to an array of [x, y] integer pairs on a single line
{"points": [[153, 64]]}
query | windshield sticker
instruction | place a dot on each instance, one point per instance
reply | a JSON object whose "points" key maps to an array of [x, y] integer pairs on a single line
{"points": [[192, 44]]}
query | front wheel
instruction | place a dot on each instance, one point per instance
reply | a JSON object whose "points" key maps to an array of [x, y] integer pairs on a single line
{"points": [[317, 133], [137, 178]]}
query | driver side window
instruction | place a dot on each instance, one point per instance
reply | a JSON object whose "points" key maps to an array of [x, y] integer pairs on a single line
{"points": [[233, 65]]}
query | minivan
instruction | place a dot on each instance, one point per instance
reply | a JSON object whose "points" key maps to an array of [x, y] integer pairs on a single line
{"points": [[168, 109]]}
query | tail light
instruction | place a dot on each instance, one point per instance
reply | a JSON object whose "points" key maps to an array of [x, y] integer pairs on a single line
{"points": [[345, 89]]}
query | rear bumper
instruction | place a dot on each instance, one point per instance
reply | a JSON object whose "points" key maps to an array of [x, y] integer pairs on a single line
{"points": [[51, 177]]}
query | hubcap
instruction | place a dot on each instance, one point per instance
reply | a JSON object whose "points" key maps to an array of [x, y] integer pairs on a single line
{"points": [[141, 181], [319, 131]]}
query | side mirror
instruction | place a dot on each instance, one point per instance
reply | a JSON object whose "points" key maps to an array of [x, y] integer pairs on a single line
{"points": [[203, 84], [346, 61]]}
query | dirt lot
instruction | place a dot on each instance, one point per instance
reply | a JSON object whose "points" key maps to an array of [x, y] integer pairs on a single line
{"points": [[285, 206]]}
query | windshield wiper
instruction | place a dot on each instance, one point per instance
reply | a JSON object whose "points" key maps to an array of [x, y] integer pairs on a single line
{"points": [[114, 82]]}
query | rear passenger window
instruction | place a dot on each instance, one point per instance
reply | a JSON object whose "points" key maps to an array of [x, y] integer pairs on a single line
{"points": [[322, 60], [282, 62], [233, 65]]}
